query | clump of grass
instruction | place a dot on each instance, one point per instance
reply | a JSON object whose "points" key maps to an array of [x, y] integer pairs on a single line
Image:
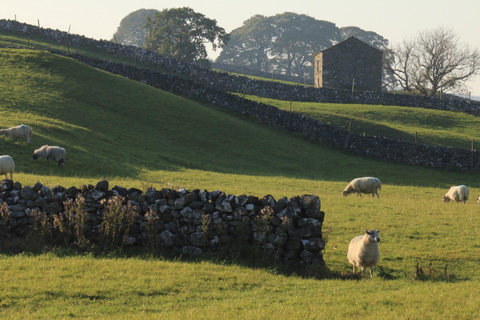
{"points": [[152, 229], [4, 214], [70, 223], [429, 273], [118, 216]]}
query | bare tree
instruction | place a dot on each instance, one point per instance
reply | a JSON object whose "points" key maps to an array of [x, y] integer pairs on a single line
{"points": [[434, 62]]}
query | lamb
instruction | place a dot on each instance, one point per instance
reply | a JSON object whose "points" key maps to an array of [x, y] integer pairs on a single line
{"points": [[50, 152], [18, 132], [363, 185], [7, 165], [456, 194], [363, 251]]}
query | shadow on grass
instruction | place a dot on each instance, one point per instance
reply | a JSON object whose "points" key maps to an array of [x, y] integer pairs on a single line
{"points": [[318, 271]]}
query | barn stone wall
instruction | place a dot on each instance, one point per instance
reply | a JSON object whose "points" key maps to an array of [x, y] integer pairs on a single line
{"points": [[348, 64]]}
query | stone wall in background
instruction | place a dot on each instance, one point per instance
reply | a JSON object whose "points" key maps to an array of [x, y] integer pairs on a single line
{"points": [[179, 221]]}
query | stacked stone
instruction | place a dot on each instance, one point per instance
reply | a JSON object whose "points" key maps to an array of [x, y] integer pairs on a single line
{"points": [[185, 222]]}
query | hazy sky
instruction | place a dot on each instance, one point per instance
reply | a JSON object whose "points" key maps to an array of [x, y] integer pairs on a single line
{"points": [[395, 21]]}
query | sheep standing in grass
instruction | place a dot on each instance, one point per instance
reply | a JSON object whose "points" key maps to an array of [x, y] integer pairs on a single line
{"points": [[18, 132], [456, 194], [7, 165], [363, 185], [50, 153], [363, 251]]}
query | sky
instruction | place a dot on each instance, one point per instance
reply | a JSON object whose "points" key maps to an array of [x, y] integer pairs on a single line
{"points": [[395, 21]]}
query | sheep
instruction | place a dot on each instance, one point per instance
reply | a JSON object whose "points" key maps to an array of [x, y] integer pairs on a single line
{"points": [[363, 251], [7, 165], [478, 200], [50, 152], [456, 194], [363, 185], [18, 132]]}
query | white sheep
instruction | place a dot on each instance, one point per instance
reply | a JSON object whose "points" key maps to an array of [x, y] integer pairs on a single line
{"points": [[363, 185], [363, 251], [456, 194], [478, 200], [50, 152], [7, 165], [18, 132]]}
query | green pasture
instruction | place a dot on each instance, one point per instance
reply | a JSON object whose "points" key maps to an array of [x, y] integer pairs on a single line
{"points": [[137, 136], [432, 127]]}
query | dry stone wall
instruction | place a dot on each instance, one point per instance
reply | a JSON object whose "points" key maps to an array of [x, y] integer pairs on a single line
{"points": [[178, 221]]}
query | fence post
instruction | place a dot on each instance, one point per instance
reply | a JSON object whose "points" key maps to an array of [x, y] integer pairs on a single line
{"points": [[348, 134], [290, 105], [471, 160], [416, 137]]}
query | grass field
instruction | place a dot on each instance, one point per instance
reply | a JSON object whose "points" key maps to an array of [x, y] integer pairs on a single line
{"points": [[433, 127], [136, 136]]}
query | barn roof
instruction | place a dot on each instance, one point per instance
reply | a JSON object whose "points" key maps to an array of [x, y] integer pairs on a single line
{"points": [[349, 39]]}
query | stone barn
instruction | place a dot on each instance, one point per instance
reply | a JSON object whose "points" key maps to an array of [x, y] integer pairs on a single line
{"points": [[350, 61]]}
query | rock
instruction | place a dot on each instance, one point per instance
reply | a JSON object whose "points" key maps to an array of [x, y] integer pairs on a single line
{"points": [[309, 202], [28, 193], [313, 244], [191, 251], [166, 238], [37, 186], [197, 239], [102, 185]]}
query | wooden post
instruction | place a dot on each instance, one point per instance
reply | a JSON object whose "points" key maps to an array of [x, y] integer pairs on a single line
{"points": [[416, 137], [348, 133], [290, 105], [471, 160], [28, 42], [272, 75], [115, 39], [38, 20], [244, 90], [353, 86]]}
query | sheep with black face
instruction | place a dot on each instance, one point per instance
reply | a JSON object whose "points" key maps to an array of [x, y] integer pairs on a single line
{"points": [[363, 251], [50, 153]]}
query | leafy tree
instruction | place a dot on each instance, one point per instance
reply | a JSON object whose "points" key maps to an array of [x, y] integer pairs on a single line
{"points": [[181, 33], [297, 39], [131, 31], [434, 62], [286, 43], [370, 37], [249, 45]]}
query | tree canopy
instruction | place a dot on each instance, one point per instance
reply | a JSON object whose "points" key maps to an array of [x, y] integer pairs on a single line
{"points": [[131, 31], [286, 43], [181, 33], [434, 62]]}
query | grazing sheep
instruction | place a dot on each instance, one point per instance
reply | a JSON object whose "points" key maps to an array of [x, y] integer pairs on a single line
{"points": [[18, 132], [363, 251], [7, 165], [49, 152], [363, 185], [456, 194], [478, 200]]}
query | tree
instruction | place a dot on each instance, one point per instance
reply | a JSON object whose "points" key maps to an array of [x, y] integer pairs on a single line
{"points": [[434, 62], [286, 43], [249, 45], [181, 33], [130, 31]]}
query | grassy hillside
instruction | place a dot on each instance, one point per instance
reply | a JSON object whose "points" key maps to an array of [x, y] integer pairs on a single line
{"points": [[434, 127], [135, 135]]}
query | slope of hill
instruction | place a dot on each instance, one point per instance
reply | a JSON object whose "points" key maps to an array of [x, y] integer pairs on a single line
{"points": [[113, 127]]}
